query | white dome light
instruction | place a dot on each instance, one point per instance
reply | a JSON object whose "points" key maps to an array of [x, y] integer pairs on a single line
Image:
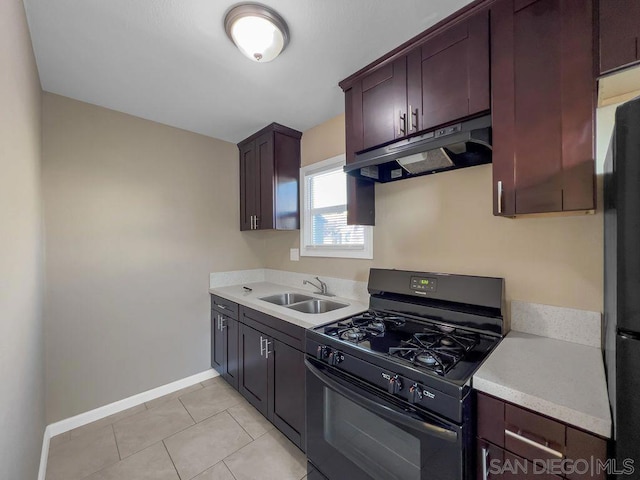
{"points": [[259, 32]]}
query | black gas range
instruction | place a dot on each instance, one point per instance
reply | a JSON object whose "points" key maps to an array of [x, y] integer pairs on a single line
{"points": [[388, 389]]}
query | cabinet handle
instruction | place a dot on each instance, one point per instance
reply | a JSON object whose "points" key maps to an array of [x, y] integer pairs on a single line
{"points": [[222, 325], [266, 348], [218, 320], [413, 113], [402, 127], [485, 457], [221, 306], [251, 228], [410, 113], [261, 345], [544, 448], [500, 192], [255, 222]]}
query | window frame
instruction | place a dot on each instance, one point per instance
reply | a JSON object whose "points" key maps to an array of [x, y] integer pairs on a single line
{"points": [[338, 251]]}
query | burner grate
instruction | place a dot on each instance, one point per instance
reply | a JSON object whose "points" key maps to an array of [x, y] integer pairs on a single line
{"points": [[436, 349], [365, 326]]}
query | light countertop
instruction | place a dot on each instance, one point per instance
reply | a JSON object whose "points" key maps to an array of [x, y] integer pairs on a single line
{"points": [[560, 379], [237, 294]]}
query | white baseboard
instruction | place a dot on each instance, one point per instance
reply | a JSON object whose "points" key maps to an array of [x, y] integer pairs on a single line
{"points": [[101, 412], [44, 454]]}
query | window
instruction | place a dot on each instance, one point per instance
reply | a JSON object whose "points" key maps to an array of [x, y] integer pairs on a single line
{"points": [[324, 231]]}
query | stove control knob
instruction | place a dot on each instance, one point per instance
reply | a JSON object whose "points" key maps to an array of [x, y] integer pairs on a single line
{"points": [[322, 353], [415, 394], [395, 385], [335, 358]]}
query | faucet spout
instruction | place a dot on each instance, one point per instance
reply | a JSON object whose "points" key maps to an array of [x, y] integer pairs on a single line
{"points": [[322, 286]]}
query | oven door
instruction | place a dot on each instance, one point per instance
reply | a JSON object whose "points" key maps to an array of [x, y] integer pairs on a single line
{"points": [[356, 432]]}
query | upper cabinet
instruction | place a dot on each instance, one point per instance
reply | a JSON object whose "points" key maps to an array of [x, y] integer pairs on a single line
{"points": [[619, 33], [432, 81], [543, 101], [269, 173], [451, 73], [530, 62]]}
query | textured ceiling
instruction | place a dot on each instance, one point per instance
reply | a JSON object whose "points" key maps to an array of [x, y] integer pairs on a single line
{"points": [[170, 60]]}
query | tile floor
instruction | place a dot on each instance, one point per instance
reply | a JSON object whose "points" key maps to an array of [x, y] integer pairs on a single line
{"points": [[203, 432]]}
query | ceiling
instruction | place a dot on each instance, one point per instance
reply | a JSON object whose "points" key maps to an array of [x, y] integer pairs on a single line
{"points": [[170, 60]]}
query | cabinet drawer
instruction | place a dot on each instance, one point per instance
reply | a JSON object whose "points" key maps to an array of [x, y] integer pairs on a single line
{"points": [[224, 306], [286, 332], [533, 436]]}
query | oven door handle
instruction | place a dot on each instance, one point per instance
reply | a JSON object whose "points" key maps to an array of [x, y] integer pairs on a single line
{"points": [[388, 412]]}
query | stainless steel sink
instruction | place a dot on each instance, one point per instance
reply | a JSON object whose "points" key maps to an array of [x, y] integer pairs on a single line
{"points": [[317, 305], [286, 298]]}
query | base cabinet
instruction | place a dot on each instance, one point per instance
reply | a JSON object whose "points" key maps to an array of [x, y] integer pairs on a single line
{"points": [[515, 443], [263, 358], [272, 372], [224, 340], [254, 368]]}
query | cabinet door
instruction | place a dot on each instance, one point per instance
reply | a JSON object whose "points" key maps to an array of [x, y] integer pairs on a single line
{"points": [[253, 366], [230, 329], [360, 193], [217, 344], [489, 459], [619, 32], [454, 72], [249, 184], [543, 106], [287, 398], [265, 181], [381, 101]]}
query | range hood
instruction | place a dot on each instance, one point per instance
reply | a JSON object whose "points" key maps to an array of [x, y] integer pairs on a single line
{"points": [[465, 144]]}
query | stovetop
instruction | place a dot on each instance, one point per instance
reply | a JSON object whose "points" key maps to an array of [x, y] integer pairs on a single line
{"points": [[425, 345]]}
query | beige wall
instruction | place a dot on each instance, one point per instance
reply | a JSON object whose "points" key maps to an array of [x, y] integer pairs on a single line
{"points": [[137, 214], [444, 223], [21, 344]]}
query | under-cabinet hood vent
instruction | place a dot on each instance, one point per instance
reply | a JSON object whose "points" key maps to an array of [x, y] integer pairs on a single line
{"points": [[462, 145]]}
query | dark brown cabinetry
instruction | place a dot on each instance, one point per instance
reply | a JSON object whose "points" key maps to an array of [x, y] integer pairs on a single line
{"points": [[224, 339], [269, 172], [543, 92], [436, 79], [454, 74], [254, 367], [516, 443], [263, 358], [272, 372], [619, 33]]}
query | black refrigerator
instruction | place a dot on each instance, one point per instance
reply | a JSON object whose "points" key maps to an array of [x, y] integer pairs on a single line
{"points": [[622, 282]]}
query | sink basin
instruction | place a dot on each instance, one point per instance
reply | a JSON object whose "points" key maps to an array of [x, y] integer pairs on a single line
{"points": [[317, 306], [286, 298]]}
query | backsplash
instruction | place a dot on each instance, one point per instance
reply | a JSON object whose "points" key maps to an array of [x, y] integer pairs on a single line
{"points": [[568, 324], [338, 286]]}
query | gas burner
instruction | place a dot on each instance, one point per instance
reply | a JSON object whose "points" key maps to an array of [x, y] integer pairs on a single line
{"points": [[426, 359], [446, 328], [435, 349], [352, 335]]}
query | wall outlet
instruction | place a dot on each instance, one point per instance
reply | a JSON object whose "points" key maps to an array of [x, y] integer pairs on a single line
{"points": [[294, 254]]}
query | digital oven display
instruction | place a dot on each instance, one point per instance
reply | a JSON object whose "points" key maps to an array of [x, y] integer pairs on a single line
{"points": [[424, 284]]}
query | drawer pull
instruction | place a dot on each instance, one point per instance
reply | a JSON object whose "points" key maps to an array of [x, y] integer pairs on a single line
{"points": [[537, 445], [485, 458], [221, 306]]}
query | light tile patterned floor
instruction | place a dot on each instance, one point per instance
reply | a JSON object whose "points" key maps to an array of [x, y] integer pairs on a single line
{"points": [[203, 432]]}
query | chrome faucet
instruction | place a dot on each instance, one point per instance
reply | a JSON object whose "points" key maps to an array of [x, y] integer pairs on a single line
{"points": [[322, 287]]}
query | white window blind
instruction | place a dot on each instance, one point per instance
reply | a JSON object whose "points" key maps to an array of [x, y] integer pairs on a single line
{"points": [[325, 231]]}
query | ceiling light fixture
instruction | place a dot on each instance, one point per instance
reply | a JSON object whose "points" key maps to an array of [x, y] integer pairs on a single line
{"points": [[259, 32]]}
